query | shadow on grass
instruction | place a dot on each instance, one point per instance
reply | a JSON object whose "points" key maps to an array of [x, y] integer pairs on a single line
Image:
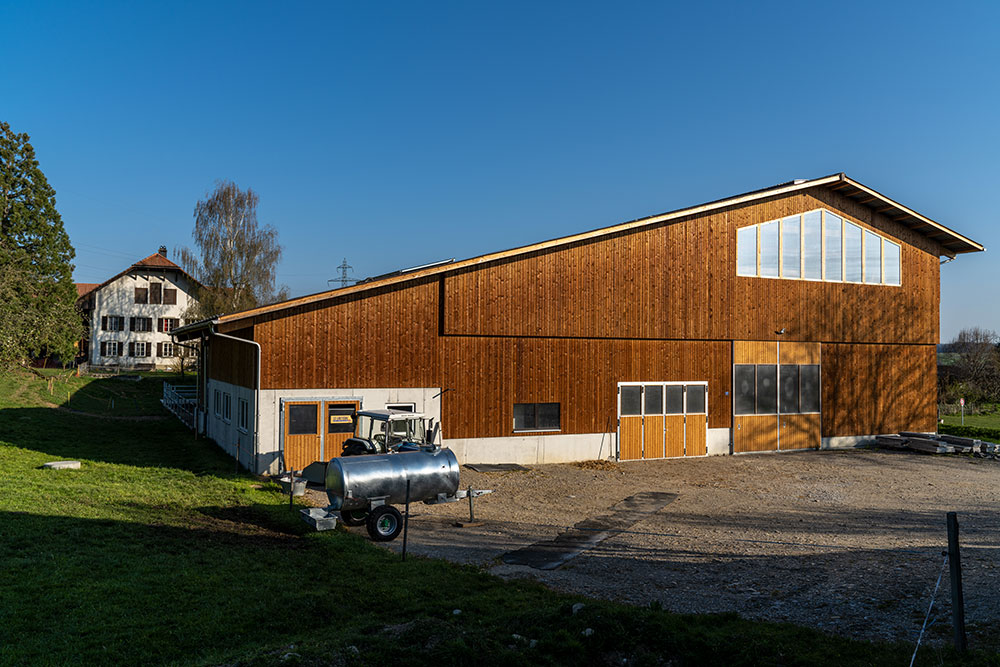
{"points": [[63, 435]]}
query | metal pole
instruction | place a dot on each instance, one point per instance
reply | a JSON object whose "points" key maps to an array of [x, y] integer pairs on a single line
{"points": [[291, 489], [472, 516], [406, 519], [957, 598]]}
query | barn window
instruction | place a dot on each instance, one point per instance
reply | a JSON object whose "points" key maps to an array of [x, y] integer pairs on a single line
{"points": [[809, 388], [536, 416], [833, 230], [891, 259], [653, 403], [769, 250], [744, 389], [243, 415], [631, 400], [302, 419], [675, 399], [227, 408], [746, 251], [695, 399], [218, 403], [791, 246], [403, 407], [788, 379], [812, 246], [767, 389], [852, 253], [873, 258]]}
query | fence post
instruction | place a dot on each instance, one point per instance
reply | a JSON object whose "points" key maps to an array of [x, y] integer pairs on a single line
{"points": [[957, 598]]}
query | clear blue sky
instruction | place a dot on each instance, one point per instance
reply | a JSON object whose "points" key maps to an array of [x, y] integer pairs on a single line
{"points": [[399, 133]]}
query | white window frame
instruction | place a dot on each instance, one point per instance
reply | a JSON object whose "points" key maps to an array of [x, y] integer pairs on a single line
{"points": [[144, 345], [218, 403], [243, 415], [167, 351], [227, 407], [108, 348]]}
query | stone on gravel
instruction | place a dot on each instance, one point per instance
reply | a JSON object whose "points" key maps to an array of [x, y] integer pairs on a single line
{"points": [[587, 632], [577, 607], [62, 465], [456, 612]]}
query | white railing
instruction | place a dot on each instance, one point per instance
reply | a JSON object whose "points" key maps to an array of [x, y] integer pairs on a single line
{"points": [[181, 400]]}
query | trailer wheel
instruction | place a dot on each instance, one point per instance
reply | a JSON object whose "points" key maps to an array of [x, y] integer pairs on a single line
{"points": [[354, 517], [384, 523]]}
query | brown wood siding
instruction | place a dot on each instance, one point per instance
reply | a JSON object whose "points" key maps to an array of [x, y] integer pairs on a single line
{"points": [[799, 353], [678, 281], [799, 431], [488, 375], [231, 361], [755, 433], [385, 339], [755, 352], [872, 389]]}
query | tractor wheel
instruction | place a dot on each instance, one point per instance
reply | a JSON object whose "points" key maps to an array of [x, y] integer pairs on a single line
{"points": [[354, 517], [384, 523]]}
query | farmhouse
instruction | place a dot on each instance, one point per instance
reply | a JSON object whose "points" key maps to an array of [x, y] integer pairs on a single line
{"points": [[800, 316], [130, 315]]}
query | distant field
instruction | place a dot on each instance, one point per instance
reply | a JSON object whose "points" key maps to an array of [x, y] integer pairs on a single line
{"points": [[980, 421]]}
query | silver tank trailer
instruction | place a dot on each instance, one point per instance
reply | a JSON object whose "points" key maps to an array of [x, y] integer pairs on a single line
{"points": [[352, 482]]}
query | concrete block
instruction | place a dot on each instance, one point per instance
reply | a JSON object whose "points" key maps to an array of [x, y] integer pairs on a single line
{"points": [[62, 465]]}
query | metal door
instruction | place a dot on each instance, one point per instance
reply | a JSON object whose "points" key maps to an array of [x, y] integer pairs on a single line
{"points": [[340, 420], [302, 436]]}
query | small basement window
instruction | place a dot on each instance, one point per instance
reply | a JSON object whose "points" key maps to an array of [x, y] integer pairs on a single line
{"points": [[536, 416]]}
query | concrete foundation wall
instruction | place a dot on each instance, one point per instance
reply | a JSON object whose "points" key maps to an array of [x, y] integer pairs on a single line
{"points": [[846, 441]]}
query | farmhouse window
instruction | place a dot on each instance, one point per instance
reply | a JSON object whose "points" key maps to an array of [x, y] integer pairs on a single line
{"points": [[111, 348], [817, 245], [142, 295], [302, 419], [167, 324], [155, 293], [138, 349], [169, 296], [164, 349], [140, 323], [242, 415], [537, 416], [112, 323]]}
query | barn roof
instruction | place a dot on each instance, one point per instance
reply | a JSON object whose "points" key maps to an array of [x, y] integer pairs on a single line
{"points": [[952, 242]]}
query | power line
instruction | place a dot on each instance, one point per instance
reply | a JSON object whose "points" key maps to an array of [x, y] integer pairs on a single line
{"points": [[344, 280]]}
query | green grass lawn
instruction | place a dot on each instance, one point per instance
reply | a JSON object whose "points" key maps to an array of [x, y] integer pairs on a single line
{"points": [[157, 552], [991, 420]]}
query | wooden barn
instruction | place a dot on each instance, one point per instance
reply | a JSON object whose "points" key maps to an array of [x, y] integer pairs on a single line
{"points": [[800, 316]]}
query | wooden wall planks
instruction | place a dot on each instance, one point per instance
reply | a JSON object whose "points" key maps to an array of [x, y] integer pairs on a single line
{"points": [[231, 361], [873, 389], [799, 353], [755, 352], [678, 281]]}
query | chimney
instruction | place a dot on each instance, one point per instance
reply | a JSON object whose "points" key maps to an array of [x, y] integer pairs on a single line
{"points": [[163, 250]]}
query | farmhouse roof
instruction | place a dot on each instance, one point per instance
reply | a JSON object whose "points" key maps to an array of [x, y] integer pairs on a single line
{"points": [[952, 242], [83, 289], [155, 261]]}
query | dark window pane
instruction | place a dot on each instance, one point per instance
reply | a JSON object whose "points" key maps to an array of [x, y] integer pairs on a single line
{"points": [[695, 399], [654, 399], [767, 389], [548, 415], [631, 400], [524, 416], [789, 389], [301, 419], [340, 419], [745, 390], [675, 399], [809, 383]]}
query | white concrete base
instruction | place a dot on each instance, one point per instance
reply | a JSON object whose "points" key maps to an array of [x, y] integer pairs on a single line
{"points": [[719, 440], [846, 441], [534, 449]]}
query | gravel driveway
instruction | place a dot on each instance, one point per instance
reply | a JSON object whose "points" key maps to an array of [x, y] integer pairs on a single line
{"points": [[849, 542]]}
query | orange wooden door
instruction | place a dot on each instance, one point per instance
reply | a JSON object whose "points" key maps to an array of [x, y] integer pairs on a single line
{"points": [[652, 434], [674, 435], [799, 431], [755, 433], [340, 421], [302, 434], [630, 438]]}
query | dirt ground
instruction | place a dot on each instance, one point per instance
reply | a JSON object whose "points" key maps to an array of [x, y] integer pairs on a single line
{"points": [[850, 542]]}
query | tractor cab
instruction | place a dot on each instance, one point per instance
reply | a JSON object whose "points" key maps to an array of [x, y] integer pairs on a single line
{"points": [[386, 431]]}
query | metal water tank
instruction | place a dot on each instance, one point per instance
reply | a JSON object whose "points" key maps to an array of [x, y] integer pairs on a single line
{"points": [[352, 482]]}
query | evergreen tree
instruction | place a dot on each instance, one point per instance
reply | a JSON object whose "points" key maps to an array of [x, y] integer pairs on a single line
{"points": [[238, 257], [38, 314]]}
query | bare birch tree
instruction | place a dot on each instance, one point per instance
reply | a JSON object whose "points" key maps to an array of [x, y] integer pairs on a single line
{"points": [[237, 257]]}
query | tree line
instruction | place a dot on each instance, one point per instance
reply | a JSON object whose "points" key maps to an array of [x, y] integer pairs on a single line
{"points": [[970, 367]]}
